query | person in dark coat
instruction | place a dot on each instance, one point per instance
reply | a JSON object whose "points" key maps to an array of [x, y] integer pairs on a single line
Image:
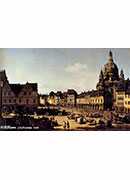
{"points": [[68, 125]]}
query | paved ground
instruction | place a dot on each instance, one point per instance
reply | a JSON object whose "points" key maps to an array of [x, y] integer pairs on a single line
{"points": [[73, 125]]}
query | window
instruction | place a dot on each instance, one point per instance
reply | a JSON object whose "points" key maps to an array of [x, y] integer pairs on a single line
{"points": [[25, 93], [27, 101], [34, 101], [19, 100], [14, 100], [4, 93], [120, 104], [120, 98], [128, 102], [4, 100], [9, 100], [120, 93]]}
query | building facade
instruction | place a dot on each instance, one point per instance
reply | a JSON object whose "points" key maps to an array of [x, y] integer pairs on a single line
{"points": [[43, 100], [120, 100], [18, 95], [63, 99], [52, 99], [92, 100], [109, 82], [71, 98], [127, 102], [111, 90]]}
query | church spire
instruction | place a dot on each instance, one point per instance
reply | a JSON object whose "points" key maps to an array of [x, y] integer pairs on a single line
{"points": [[101, 76], [122, 74], [110, 58], [110, 53]]}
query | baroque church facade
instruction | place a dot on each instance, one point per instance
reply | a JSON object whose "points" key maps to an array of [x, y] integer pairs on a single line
{"points": [[110, 82]]}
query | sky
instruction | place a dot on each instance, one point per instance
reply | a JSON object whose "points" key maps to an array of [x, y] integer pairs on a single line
{"points": [[60, 69]]}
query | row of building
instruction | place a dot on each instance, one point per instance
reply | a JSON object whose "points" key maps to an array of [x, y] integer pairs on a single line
{"points": [[90, 100], [59, 98], [112, 92]]}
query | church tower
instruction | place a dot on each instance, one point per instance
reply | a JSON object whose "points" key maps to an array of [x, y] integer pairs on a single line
{"points": [[101, 76], [110, 70], [122, 77], [108, 81]]}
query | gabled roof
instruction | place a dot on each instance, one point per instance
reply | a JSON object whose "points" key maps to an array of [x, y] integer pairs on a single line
{"points": [[51, 93], [71, 91], [17, 88], [32, 85]]}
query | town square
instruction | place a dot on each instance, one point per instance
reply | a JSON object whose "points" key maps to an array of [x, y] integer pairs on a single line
{"points": [[105, 107]]}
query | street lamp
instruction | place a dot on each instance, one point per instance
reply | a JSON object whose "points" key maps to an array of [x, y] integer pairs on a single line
{"points": [[1, 88]]}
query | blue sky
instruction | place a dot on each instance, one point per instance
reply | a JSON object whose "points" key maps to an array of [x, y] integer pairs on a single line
{"points": [[60, 69]]}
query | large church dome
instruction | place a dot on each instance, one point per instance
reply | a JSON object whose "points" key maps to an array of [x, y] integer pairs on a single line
{"points": [[110, 70]]}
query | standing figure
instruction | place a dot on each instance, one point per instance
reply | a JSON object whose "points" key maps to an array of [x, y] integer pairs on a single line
{"points": [[64, 125], [68, 125]]}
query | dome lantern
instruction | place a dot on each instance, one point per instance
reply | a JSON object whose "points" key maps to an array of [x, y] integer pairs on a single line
{"points": [[110, 56]]}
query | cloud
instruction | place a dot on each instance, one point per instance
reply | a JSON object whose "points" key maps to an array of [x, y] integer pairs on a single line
{"points": [[76, 68], [80, 77]]}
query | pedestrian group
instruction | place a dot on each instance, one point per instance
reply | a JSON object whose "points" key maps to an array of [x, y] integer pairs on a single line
{"points": [[66, 125]]}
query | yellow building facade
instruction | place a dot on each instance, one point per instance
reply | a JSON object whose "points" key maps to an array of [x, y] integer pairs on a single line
{"points": [[90, 102], [122, 101], [127, 102]]}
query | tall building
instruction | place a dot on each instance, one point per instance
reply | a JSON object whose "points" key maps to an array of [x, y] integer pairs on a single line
{"points": [[111, 89], [110, 81], [17, 95], [71, 98]]}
